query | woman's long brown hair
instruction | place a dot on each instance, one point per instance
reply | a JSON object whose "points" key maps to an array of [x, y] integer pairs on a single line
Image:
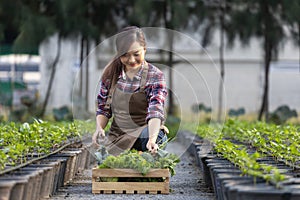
{"points": [[124, 39]]}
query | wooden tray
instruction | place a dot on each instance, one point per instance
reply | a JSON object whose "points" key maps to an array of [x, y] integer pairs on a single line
{"points": [[130, 187]]}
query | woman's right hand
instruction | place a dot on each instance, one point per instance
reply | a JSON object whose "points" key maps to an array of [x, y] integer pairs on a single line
{"points": [[98, 133]]}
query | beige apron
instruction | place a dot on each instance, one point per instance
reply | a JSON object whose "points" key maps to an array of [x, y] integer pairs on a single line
{"points": [[130, 111]]}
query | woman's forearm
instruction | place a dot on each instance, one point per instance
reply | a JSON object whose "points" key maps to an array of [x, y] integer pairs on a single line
{"points": [[154, 127], [101, 122]]}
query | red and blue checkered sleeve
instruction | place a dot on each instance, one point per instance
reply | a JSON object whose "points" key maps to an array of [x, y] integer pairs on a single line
{"points": [[157, 96], [101, 100]]}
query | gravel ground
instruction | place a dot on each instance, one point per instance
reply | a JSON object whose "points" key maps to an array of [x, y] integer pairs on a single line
{"points": [[187, 184]]}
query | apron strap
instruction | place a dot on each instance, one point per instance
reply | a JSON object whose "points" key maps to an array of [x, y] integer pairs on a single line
{"points": [[112, 87], [144, 77], [110, 93]]}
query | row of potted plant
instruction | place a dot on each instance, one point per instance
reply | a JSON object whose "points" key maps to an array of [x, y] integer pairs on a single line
{"points": [[22, 142], [236, 168], [282, 142], [38, 158], [42, 178]]}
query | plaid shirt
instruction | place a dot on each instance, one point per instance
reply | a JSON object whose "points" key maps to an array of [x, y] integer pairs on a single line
{"points": [[155, 89]]}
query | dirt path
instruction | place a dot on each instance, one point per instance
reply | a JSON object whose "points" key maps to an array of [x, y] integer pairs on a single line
{"points": [[187, 184]]}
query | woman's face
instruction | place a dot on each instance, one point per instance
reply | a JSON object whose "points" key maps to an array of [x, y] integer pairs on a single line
{"points": [[134, 57]]}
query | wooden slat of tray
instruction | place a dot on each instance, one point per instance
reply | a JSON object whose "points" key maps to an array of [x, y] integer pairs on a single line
{"points": [[131, 187], [128, 173]]}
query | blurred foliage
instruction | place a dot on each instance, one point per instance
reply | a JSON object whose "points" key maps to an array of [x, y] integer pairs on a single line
{"points": [[201, 107], [62, 114], [282, 114], [236, 112], [173, 123]]}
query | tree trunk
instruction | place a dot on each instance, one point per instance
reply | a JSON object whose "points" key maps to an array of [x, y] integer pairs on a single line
{"points": [[80, 67], [299, 42], [222, 65], [168, 17], [12, 85], [87, 76], [267, 60], [171, 110], [52, 75]]}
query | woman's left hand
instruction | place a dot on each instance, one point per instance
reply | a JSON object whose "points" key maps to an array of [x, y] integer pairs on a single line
{"points": [[152, 146]]}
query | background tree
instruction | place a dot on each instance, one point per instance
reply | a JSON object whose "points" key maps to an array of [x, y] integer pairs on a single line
{"points": [[9, 24], [96, 19], [103, 18], [67, 19], [272, 33], [291, 17], [170, 14], [212, 16], [263, 20], [216, 19], [38, 20], [8, 32]]}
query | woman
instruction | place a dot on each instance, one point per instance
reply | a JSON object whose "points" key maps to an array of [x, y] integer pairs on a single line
{"points": [[133, 92]]}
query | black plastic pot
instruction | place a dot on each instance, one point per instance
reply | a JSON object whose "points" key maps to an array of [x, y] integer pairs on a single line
{"points": [[224, 178], [29, 188], [295, 190], [59, 165], [215, 168], [76, 159], [259, 191], [6, 187], [207, 162], [70, 166], [202, 150], [17, 191], [206, 173], [227, 166], [62, 159], [89, 159], [262, 192], [194, 147], [37, 184], [84, 159], [228, 185], [202, 158], [49, 179], [217, 174]]}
